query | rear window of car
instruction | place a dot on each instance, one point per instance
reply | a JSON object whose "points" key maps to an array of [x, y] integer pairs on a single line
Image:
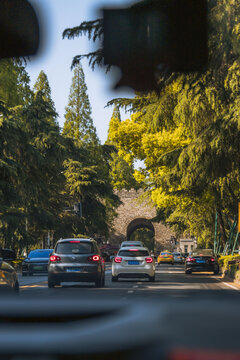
{"points": [[165, 253], [74, 248], [176, 254], [202, 252], [126, 245], [40, 253], [133, 253]]}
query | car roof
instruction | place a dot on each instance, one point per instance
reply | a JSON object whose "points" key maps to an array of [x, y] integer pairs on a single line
{"points": [[41, 250], [77, 239]]}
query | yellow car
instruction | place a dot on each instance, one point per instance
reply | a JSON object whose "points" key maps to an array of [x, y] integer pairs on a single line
{"points": [[165, 257]]}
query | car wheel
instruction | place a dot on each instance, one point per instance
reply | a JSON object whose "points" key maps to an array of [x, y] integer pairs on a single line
{"points": [[216, 271], [98, 282], [51, 283], [172, 263], [16, 287], [114, 278], [30, 274], [103, 280], [152, 278], [188, 272]]}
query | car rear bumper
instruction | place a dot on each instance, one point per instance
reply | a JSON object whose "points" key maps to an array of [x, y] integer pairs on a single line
{"points": [[201, 268], [79, 277], [35, 268], [74, 273], [133, 271], [134, 275]]}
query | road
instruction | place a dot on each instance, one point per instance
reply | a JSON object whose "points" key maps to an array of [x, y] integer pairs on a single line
{"points": [[171, 282]]}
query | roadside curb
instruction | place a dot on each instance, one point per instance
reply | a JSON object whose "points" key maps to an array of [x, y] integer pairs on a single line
{"points": [[228, 279]]}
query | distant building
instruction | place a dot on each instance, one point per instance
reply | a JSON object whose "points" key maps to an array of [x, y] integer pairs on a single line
{"points": [[187, 245]]}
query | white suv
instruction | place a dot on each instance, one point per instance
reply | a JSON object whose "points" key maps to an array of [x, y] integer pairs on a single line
{"points": [[133, 262]]}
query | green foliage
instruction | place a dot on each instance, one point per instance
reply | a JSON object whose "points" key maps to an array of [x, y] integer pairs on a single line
{"points": [[43, 172], [78, 122]]}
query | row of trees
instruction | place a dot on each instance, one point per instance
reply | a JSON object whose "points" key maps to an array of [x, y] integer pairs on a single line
{"points": [[187, 134], [43, 170]]}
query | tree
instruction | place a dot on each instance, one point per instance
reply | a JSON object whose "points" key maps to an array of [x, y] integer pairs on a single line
{"points": [[78, 122], [42, 85]]}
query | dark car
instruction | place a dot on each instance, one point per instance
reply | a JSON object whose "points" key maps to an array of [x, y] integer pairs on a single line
{"points": [[36, 262], [76, 260], [201, 260]]}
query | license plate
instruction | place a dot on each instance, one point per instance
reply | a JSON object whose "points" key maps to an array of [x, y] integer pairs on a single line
{"points": [[200, 261], [133, 262], [73, 269], [37, 267]]}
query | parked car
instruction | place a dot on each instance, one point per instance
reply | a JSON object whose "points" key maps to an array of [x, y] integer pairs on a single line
{"points": [[132, 243], [178, 258], [133, 262], [36, 262], [165, 257], [76, 260], [8, 276], [202, 260]]}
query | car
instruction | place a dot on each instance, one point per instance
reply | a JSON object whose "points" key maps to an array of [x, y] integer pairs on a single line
{"points": [[131, 243], [76, 260], [165, 257], [8, 277], [178, 258], [202, 260], [36, 262], [133, 262]]}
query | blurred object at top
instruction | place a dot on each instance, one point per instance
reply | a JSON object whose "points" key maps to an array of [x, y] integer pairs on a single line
{"points": [[154, 37], [19, 29]]}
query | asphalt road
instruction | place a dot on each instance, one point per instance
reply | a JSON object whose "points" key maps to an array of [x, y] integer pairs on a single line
{"points": [[171, 282]]}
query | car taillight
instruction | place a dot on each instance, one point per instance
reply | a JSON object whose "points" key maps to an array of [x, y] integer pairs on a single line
{"points": [[191, 259], [74, 241], [94, 258], [133, 249], [149, 260], [55, 258], [117, 259], [212, 259]]}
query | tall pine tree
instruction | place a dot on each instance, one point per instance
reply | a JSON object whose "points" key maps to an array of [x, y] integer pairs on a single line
{"points": [[78, 122], [42, 85]]}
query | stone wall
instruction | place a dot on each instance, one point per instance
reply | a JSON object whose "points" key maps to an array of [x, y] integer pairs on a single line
{"points": [[136, 206]]}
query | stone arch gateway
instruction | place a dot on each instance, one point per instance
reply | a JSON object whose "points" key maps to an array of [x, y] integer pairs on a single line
{"points": [[136, 212]]}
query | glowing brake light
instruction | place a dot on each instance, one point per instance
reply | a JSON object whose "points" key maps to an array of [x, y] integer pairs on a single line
{"points": [[117, 259], [133, 249], [149, 260], [55, 258], [190, 259], [74, 241], [94, 258], [212, 259]]}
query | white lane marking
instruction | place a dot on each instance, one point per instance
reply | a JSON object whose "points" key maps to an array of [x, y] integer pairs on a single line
{"points": [[130, 292], [108, 271], [231, 286], [139, 282], [135, 286]]}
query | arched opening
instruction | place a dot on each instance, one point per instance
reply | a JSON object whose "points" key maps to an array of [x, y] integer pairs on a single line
{"points": [[143, 230]]}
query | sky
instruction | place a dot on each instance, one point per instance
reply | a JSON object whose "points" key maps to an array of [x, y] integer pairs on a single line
{"points": [[55, 57]]}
